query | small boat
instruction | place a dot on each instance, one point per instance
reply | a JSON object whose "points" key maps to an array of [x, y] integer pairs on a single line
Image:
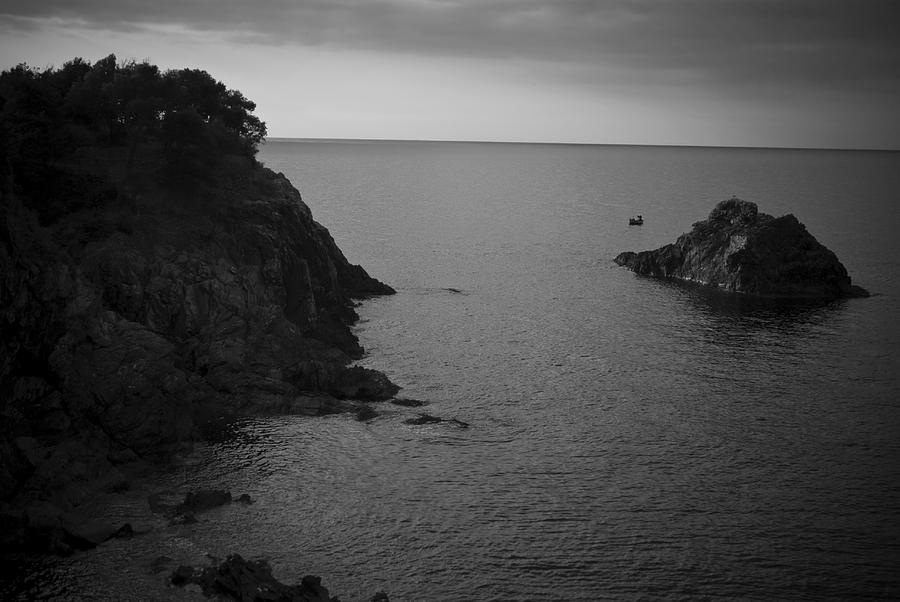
{"points": [[636, 221]]}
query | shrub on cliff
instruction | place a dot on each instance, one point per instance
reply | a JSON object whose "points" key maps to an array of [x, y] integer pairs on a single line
{"points": [[84, 126]]}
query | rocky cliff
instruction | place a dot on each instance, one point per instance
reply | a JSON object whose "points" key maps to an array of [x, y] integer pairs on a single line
{"points": [[741, 250], [125, 328]]}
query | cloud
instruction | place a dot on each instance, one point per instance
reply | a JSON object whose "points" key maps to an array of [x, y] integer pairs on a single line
{"points": [[825, 42], [823, 64]]}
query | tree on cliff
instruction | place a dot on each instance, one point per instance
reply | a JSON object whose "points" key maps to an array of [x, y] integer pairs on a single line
{"points": [[59, 124]]}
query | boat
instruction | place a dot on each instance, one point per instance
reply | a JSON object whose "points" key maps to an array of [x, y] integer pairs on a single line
{"points": [[636, 221]]}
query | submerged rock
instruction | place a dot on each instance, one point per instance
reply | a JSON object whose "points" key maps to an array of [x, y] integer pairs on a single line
{"points": [[409, 403], [429, 419], [366, 413], [740, 250], [204, 499], [184, 513], [186, 518]]}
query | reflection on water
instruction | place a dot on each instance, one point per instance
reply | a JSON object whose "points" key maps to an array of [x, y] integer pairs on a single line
{"points": [[741, 312]]}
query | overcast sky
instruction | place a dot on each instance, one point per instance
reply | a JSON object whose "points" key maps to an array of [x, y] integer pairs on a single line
{"points": [[797, 73]]}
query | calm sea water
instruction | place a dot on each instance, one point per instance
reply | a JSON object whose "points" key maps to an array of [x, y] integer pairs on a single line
{"points": [[629, 438]]}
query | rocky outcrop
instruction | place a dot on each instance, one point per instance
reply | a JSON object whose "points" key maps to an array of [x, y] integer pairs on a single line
{"points": [[123, 329], [195, 502], [741, 250], [249, 581], [44, 527]]}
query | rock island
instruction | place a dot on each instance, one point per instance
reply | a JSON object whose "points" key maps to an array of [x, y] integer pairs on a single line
{"points": [[741, 250]]}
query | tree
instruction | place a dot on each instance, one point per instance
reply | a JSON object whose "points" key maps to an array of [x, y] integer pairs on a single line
{"points": [[185, 116]]}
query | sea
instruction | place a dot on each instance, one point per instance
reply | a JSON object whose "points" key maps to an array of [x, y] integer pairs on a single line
{"points": [[627, 438]]}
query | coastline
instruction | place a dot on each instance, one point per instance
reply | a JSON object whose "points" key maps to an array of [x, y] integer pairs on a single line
{"points": [[157, 331], [156, 282]]}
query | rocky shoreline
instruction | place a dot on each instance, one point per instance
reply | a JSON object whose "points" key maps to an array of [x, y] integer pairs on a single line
{"points": [[156, 283], [120, 349]]}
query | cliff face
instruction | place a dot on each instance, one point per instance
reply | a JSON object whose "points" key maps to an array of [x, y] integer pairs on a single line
{"points": [[123, 329], [741, 250]]}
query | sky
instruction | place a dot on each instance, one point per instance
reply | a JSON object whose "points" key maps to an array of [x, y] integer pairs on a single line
{"points": [[771, 73]]}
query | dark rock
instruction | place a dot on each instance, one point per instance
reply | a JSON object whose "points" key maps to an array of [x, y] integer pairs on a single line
{"points": [[118, 486], [15, 467], [250, 581], [311, 588], [423, 419], [45, 528], [204, 499], [157, 506], [126, 531], [364, 384], [160, 564], [13, 522], [43, 516], [409, 403], [740, 250], [194, 501], [380, 597], [70, 470], [366, 413], [185, 518], [429, 419], [43, 531], [182, 575], [84, 534]]}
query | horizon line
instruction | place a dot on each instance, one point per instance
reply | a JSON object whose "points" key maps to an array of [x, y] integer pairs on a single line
{"points": [[617, 144]]}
